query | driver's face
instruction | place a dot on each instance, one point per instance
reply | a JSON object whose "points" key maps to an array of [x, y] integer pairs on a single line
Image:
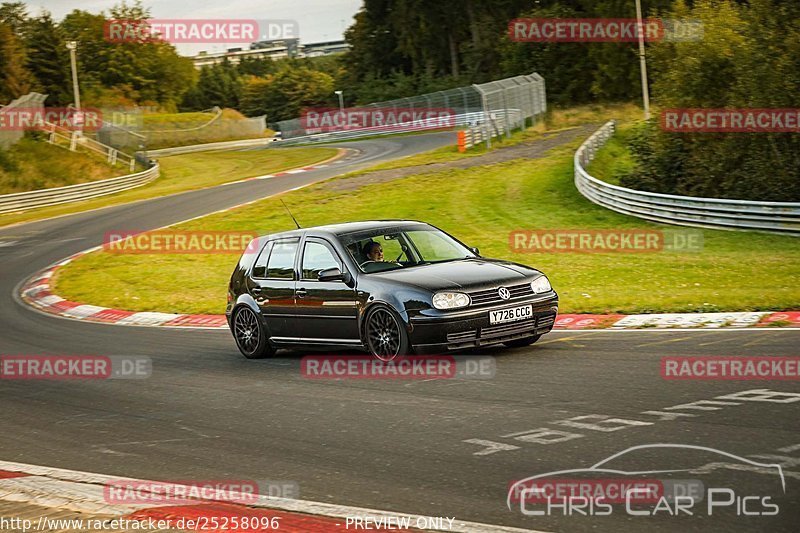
{"points": [[376, 254]]}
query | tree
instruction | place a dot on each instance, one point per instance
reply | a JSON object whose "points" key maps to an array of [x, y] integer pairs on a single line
{"points": [[15, 79], [15, 15], [748, 58], [48, 59], [287, 93]]}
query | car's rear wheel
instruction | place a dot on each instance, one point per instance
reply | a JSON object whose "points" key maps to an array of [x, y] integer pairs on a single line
{"points": [[519, 343], [386, 338], [251, 338]]}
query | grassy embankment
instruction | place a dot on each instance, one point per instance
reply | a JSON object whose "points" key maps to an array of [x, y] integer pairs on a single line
{"points": [[480, 205]]}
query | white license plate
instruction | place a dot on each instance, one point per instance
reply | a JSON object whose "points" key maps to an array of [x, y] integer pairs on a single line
{"points": [[511, 314]]}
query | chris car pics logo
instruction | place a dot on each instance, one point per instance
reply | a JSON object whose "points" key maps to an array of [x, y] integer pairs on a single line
{"points": [[606, 488]]}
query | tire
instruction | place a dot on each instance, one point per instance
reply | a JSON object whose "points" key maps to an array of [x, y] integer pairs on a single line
{"points": [[250, 335], [520, 343], [384, 335]]}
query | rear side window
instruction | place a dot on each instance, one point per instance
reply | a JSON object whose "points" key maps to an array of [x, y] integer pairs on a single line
{"points": [[260, 268], [281, 260]]}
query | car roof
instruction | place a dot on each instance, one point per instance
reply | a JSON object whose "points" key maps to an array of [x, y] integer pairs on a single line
{"points": [[338, 230]]}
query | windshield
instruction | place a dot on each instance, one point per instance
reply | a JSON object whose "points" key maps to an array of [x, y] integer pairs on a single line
{"points": [[392, 248]]}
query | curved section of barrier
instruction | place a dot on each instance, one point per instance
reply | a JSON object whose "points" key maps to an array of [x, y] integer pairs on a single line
{"points": [[782, 217], [23, 201]]}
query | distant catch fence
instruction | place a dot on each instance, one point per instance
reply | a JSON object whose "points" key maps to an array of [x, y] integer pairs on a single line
{"points": [[490, 109]]}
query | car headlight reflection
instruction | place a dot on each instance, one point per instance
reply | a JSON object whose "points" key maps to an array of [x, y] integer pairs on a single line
{"points": [[450, 300], [540, 285]]}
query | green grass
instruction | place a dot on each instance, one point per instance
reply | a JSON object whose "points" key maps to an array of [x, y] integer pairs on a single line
{"points": [[30, 165], [167, 130], [481, 206], [614, 159], [189, 172]]}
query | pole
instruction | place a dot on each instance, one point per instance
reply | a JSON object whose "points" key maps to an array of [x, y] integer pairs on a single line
{"points": [[341, 100], [643, 60], [72, 45]]}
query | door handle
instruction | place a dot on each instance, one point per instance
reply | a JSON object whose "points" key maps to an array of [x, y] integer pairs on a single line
{"points": [[301, 293], [256, 290]]}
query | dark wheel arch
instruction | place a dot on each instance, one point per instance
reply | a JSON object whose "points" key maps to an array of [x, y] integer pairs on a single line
{"points": [[404, 341], [250, 331]]}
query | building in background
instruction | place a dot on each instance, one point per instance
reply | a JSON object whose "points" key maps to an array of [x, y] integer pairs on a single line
{"points": [[276, 49]]}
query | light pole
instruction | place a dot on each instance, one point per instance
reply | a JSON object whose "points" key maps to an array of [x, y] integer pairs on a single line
{"points": [[341, 100], [72, 46], [642, 60]]}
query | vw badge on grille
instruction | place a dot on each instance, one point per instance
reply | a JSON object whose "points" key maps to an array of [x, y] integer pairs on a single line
{"points": [[504, 293]]}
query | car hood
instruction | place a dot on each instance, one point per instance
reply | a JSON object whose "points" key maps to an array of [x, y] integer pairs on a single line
{"points": [[464, 274]]}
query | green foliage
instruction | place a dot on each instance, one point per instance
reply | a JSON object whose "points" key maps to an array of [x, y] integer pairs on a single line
{"points": [[218, 85], [8, 163], [466, 41], [110, 73], [48, 59], [15, 78], [749, 58], [287, 93]]}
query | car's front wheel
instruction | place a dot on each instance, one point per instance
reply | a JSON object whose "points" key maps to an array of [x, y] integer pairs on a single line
{"points": [[520, 343], [251, 338], [385, 336]]}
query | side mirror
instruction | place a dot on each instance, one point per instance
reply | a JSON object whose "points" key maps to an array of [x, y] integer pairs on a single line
{"points": [[334, 274], [475, 251]]}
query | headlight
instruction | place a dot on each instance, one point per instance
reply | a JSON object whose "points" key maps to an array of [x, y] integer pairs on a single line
{"points": [[450, 300], [540, 285]]}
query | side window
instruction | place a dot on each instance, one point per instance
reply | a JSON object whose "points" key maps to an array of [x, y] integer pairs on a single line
{"points": [[316, 258], [281, 260], [260, 268]]}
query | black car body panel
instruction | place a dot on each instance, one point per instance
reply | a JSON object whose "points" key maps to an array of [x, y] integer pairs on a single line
{"points": [[302, 310]]}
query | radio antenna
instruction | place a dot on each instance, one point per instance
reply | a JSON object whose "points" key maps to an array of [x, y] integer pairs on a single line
{"points": [[291, 215]]}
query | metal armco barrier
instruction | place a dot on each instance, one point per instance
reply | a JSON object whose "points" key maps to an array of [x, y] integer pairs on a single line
{"points": [[223, 145], [783, 217], [474, 135], [23, 201]]}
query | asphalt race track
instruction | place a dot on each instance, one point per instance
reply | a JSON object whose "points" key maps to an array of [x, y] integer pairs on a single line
{"points": [[440, 447]]}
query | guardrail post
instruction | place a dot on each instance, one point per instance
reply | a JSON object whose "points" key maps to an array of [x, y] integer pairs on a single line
{"points": [[73, 141]]}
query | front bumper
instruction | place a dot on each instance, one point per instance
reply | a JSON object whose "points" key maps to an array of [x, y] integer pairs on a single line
{"points": [[433, 331]]}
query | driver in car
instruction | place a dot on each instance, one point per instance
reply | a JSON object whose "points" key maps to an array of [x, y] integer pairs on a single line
{"points": [[373, 251]]}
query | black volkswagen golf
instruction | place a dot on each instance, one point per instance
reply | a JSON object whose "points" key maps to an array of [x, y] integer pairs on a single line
{"points": [[390, 287]]}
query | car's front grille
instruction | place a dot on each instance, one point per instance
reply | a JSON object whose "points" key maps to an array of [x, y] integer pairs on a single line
{"points": [[492, 296], [546, 321], [506, 330], [500, 333]]}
